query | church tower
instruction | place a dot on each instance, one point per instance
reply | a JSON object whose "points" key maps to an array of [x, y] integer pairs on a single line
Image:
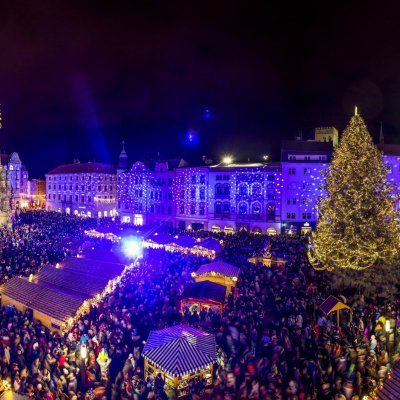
{"points": [[5, 212], [123, 159]]}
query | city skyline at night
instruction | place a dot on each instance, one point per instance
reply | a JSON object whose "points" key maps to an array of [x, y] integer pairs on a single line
{"points": [[179, 80]]}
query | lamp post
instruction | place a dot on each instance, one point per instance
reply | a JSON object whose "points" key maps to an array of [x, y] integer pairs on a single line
{"points": [[387, 329], [83, 364]]}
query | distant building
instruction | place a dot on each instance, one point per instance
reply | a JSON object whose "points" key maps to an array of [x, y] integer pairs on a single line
{"points": [[86, 189], [37, 192], [304, 166], [18, 180], [228, 198]]}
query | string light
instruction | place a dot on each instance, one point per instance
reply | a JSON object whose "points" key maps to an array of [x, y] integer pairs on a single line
{"points": [[357, 226]]}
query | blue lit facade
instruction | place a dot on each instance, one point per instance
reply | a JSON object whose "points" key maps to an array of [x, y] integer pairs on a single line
{"points": [[258, 197]]}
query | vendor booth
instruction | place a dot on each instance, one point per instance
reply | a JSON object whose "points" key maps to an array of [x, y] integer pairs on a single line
{"points": [[58, 295], [332, 304], [180, 354], [218, 272], [205, 294]]}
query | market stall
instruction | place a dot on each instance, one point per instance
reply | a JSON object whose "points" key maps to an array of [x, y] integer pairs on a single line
{"points": [[205, 294], [58, 295], [332, 304], [218, 272], [180, 354]]}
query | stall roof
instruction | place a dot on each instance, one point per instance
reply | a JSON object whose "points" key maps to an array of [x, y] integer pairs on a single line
{"points": [[161, 238], [210, 244], [180, 349], [332, 304], [98, 268], [185, 241], [219, 267], [74, 281], [205, 290], [56, 304], [391, 387], [114, 257]]}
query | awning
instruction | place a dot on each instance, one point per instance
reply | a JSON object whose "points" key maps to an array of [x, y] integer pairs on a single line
{"points": [[332, 304]]}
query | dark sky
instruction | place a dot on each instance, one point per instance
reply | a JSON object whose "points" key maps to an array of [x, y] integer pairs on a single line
{"points": [[78, 77]]}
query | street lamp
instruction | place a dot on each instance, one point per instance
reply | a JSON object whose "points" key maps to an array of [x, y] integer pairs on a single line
{"points": [[387, 329], [83, 364]]}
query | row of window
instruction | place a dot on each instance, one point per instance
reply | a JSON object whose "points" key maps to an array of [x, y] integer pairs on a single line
{"points": [[192, 209], [83, 177], [306, 171], [81, 199], [292, 215], [304, 200], [83, 188]]}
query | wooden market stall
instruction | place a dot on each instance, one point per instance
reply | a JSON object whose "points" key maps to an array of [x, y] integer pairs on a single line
{"points": [[180, 353], [332, 304], [56, 294], [218, 272], [205, 294]]}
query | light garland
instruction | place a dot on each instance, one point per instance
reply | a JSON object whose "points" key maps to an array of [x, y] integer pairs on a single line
{"points": [[357, 227]]}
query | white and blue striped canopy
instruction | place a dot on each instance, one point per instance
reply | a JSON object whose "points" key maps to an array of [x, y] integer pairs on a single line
{"points": [[180, 349]]}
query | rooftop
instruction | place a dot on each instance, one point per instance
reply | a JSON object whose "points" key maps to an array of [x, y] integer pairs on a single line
{"points": [[83, 168], [180, 349]]}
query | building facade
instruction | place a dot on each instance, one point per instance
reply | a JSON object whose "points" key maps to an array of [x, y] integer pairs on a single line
{"points": [[87, 189], [220, 198], [18, 180], [265, 198]]}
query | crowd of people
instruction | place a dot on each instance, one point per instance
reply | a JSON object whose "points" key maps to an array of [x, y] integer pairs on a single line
{"points": [[273, 340]]}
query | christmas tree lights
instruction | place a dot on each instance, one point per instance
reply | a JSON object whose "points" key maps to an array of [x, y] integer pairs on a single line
{"points": [[357, 226]]}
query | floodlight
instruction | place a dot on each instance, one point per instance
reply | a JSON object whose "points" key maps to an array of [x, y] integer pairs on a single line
{"points": [[131, 247]]}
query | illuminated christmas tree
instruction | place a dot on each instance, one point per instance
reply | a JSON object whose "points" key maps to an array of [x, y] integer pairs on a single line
{"points": [[357, 225]]}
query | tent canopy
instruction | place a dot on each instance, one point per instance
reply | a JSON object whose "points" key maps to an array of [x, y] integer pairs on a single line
{"points": [[219, 267], [205, 290], [180, 349], [210, 244], [185, 241], [332, 304]]}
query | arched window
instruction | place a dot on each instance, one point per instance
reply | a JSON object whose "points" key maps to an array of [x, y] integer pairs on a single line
{"points": [[256, 189], [242, 208], [243, 189], [226, 189], [218, 189], [218, 207], [271, 211], [256, 208], [226, 207]]}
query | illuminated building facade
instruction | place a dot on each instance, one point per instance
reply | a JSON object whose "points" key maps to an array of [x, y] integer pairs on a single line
{"points": [[18, 180], [86, 189], [229, 198]]}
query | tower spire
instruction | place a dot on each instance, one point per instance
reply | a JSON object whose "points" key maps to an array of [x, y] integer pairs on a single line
{"points": [[381, 138], [123, 158]]}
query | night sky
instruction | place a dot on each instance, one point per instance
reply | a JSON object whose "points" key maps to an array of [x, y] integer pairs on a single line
{"points": [[238, 77]]}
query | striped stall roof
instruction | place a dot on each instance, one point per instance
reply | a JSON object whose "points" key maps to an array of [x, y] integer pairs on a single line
{"points": [[57, 305], [73, 281], [391, 386], [205, 290], [180, 349], [219, 267]]}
